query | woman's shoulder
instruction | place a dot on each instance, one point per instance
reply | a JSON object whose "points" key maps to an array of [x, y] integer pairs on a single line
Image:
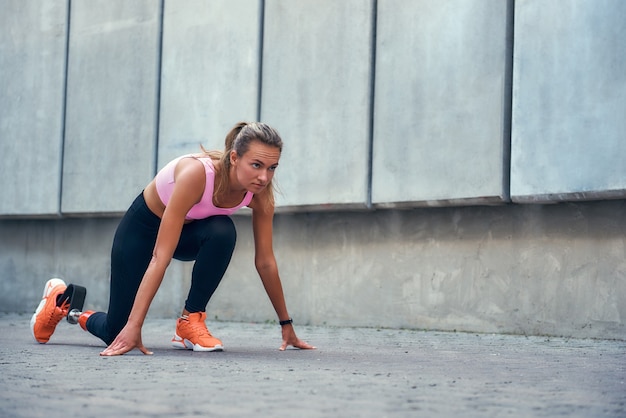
{"points": [[189, 167], [205, 159]]}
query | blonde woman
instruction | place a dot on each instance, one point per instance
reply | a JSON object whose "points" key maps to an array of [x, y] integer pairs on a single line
{"points": [[184, 214]]}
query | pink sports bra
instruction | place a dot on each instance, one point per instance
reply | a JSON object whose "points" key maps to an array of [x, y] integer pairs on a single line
{"points": [[204, 208]]}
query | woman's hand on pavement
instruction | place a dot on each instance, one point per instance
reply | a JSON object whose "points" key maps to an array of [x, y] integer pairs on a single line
{"points": [[290, 338], [128, 339]]}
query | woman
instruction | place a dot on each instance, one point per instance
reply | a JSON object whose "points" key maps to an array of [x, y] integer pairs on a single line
{"points": [[184, 214]]}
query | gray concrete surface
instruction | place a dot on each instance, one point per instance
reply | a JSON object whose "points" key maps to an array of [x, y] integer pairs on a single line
{"points": [[210, 72], [355, 372], [387, 102], [112, 104], [569, 100], [555, 270], [32, 90], [317, 69], [441, 111]]}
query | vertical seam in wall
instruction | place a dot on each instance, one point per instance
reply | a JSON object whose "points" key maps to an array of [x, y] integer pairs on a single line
{"points": [[64, 107], [372, 85], [260, 49], [508, 100], [157, 116]]}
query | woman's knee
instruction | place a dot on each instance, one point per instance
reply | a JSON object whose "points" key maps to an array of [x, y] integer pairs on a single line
{"points": [[221, 228]]}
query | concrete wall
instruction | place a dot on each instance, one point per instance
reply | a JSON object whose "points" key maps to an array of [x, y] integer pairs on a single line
{"points": [[317, 66], [406, 103], [529, 269], [569, 101], [442, 114], [110, 133], [382, 105], [209, 73], [32, 96]]}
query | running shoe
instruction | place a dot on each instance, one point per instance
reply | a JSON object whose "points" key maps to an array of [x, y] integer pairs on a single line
{"points": [[50, 311], [192, 334]]}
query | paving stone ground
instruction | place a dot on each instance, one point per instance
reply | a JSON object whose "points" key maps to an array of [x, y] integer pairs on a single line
{"points": [[355, 372]]}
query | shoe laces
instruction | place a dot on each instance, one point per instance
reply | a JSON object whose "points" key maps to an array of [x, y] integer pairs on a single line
{"points": [[200, 328], [55, 315]]}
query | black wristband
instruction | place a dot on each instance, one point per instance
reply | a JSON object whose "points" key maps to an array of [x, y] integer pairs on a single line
{"points": [[286, 322]]}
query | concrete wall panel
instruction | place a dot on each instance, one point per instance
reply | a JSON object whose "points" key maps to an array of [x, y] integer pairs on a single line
{"points": [[316, 93], [441, 102], [569, 108], [527, 269], [524, 269], [210, 72], [111, 103], [33, 37]]}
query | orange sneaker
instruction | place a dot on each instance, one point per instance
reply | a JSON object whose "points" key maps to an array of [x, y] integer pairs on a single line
{"points": [[192, 334], [48, 314]]}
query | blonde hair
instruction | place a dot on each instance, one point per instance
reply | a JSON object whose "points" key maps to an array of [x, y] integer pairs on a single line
{"points": [[238, 140]]}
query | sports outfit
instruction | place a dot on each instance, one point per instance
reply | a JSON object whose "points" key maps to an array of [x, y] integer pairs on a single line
{"points": [[209, 240]]}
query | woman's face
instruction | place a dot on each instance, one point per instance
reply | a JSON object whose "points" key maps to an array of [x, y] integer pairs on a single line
{"points": [[255, 169]]}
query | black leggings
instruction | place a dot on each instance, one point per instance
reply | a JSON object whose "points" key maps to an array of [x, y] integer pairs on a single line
{"points": [[210, 242]]}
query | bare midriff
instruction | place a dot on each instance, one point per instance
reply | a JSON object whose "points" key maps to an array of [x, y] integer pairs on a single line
{"points": [[153, 201]]}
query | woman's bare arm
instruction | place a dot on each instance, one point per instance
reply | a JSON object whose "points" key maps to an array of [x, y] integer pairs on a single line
{"points": [[188, 189]]}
